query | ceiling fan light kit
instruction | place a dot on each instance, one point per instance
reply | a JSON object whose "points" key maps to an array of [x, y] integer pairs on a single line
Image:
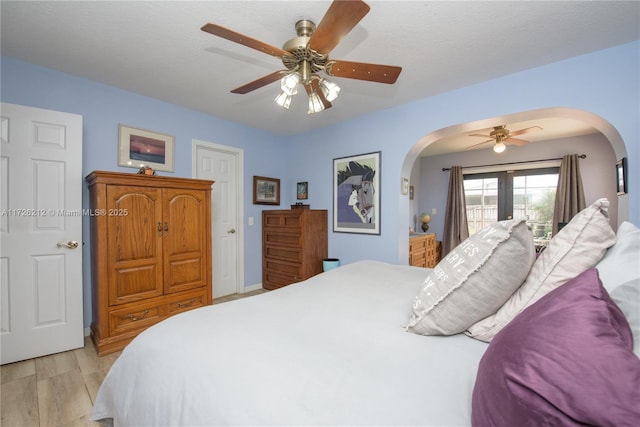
{"points": [[307, 55]]}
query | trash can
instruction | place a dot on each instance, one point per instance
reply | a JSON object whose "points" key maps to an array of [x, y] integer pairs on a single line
{"points": [[330, 263]]}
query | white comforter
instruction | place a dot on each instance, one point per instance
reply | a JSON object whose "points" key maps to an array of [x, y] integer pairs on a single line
{"points": [[328, 351]]}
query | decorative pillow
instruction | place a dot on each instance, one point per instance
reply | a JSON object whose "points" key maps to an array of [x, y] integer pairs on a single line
{"points": [[620, 274], [565, 361], [474, 279], [574, 249]]}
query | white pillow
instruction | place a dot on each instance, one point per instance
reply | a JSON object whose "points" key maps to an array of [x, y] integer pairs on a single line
{"points": [[620, 275], [574, 249], [474, 279]]}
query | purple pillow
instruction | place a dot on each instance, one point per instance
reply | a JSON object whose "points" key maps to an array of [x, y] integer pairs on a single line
{"points": [[566, 360]]}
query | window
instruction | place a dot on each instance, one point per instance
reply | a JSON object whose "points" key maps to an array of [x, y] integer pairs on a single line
{"points": [[496, 196]]}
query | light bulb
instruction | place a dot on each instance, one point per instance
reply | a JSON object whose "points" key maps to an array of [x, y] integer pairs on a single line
{"points": [[289, 83], [315, 104], [283, 100], [499, 147], [329, 89]]}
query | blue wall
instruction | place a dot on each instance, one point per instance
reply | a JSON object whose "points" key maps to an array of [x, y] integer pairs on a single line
{"points": [[605, 83]]}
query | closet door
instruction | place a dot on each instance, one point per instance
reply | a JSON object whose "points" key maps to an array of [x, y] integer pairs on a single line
{"points": [[134, 236], [184, 227]]}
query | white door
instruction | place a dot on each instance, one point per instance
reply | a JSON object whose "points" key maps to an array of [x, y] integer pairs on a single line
{"points": [[223, 165], [41, 226]]}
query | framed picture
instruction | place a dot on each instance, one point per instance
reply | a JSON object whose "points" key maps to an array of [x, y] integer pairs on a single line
{"points": [[356, 194], [621, 176], [266, 191], [302, 190], [139, 148], [411, 190]]}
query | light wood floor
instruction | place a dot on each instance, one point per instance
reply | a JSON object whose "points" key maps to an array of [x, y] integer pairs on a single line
{"points": [[59, 389]]}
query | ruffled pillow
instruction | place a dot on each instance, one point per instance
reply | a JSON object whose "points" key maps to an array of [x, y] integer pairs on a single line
{"points": [[576, 248], [474, 279]]}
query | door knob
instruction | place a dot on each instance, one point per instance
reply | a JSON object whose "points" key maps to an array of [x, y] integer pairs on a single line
{"points": [[231, 231], [71, 244]]}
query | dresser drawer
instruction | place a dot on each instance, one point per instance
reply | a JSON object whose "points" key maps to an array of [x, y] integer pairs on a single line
{"points": [[282, 268], [285, 253], [289, 220], [275, 279], [282, 238]]}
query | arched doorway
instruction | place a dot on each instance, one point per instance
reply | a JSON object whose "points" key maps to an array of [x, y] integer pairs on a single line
{"points": [[606, 132]]}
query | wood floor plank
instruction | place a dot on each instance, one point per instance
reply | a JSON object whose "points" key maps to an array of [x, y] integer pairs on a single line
{"points": [[55, 364], [20, 402], [63, 398], [13, 371]]}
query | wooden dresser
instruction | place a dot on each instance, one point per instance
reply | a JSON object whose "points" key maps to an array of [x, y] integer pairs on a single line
{"points": [[294, 243], [424, 250], [151, 252]]}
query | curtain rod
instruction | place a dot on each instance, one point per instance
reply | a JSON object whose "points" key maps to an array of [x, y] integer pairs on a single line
{"points": [[582, 156]]}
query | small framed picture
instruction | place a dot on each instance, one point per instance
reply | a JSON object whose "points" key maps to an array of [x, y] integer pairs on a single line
{"points": [[405, 186], [139, 148], [266, 191], [302, 190], [621, 176], [411, 190]]}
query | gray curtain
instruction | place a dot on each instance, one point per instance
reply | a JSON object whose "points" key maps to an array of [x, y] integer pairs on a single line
{"points": [[456, 228], [569, 194]]}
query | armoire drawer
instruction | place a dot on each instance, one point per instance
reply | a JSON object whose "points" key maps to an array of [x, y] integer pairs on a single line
{"points": [[187, 302], [136, 316]]}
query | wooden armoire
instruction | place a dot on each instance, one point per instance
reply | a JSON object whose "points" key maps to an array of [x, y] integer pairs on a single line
{"points": [[294, 243], [150, 250]]}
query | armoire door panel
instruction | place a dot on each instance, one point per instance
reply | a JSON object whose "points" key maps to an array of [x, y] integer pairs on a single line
{"points": [[135, 283], [184, 210], [135, 216], [185, 274], [184, 244], [134, 243]]}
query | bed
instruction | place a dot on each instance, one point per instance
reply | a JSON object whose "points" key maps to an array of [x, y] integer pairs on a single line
{"points": [[336, 349]]}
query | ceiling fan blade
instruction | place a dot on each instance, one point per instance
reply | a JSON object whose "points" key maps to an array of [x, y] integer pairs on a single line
{"points": [[262, 81], [233, 36], [362, 71], [314, 86], [480, 135], [482, 143], [339, 20], [515, 141], [525, 130]]}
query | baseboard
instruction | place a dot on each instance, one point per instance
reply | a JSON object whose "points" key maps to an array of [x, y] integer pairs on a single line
{"points": [[252, 288]]}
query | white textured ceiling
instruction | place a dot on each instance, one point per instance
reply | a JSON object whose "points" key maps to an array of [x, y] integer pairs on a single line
{"points": [[156, 48]]}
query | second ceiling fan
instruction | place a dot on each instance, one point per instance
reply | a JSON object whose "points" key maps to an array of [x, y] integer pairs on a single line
{"points": [[501, 136], [307, 55]]}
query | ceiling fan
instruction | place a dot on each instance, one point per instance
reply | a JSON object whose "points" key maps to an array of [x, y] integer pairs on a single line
{"points": [[307, 54], [502, 137]]}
